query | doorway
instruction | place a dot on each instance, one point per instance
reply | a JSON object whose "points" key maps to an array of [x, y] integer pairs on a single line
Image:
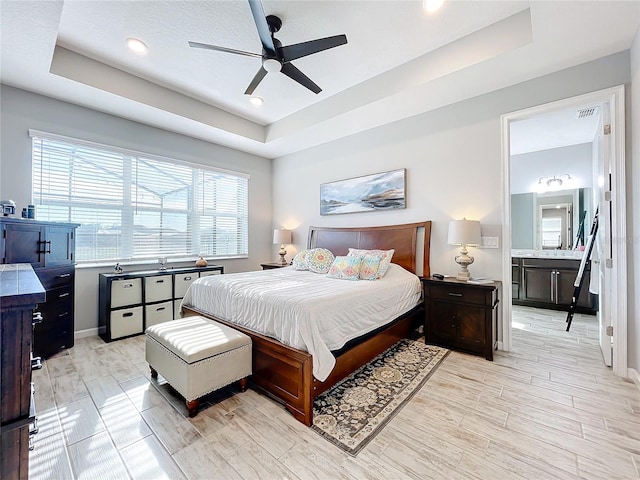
{"points": [[610, 193]]}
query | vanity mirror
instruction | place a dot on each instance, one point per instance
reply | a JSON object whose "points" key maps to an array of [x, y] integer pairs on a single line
{"points": [[549, 221]]}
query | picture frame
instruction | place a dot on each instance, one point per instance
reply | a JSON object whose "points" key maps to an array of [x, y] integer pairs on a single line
{"points": [[367, 193]]}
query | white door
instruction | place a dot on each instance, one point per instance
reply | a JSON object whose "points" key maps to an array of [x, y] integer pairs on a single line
{"points": [[601, 258]]}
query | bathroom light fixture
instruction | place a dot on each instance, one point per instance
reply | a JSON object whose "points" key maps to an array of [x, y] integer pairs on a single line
{"points": [[552, 183], [257, 101], [137, 46]]}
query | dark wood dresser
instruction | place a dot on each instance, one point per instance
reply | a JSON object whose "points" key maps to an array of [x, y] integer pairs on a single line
{"points": [[20, 292], [460, 315], [50, 249]]}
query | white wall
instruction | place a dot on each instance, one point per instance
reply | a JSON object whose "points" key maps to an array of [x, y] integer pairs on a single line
{"points": [[453, 161], [633, 212], [23, 110]]}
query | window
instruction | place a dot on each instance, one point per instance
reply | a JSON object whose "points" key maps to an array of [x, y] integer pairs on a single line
{"points": [[551, 232], [133, 206]]}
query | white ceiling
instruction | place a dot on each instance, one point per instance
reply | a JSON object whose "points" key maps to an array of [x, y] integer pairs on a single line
{"points": [[399, 60], [561, 128]]}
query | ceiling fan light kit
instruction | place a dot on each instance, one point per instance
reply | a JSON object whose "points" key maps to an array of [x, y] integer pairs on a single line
{"points": [[275, 57]]}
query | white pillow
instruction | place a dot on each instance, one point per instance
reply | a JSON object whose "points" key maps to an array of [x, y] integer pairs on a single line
{"points": [[385, 255]]}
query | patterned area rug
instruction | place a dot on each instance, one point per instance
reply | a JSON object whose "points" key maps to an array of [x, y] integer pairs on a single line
{"points": [[351, 413]]}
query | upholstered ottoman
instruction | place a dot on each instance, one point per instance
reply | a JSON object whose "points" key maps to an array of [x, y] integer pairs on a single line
{"points": [[197, 356]]}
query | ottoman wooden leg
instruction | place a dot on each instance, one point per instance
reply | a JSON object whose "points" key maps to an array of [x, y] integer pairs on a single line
{"points": [[192, 406], [154, 373], [243, 384]]}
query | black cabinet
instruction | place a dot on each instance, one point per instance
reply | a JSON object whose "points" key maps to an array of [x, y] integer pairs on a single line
{"points": [[49, 247], [548, 283], [132, 301], [461, 315]]}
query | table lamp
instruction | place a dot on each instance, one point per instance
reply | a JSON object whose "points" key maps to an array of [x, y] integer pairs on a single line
{"points": [[282, 237], [464, 232]]}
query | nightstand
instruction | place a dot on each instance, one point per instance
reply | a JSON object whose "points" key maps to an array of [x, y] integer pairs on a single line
{"points": [[269, 266], [460, 315]]}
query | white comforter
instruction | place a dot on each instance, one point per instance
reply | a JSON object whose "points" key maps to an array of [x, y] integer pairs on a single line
{"points": [[306, 310]]}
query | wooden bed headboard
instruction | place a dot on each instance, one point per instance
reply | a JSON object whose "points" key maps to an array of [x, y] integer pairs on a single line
{"points": [[410, 241]]}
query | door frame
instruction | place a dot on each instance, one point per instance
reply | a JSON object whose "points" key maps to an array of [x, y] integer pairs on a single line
{"points": [[614, 96]]}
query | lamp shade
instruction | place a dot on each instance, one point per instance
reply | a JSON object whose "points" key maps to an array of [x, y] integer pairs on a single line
{"points": [[464, 232], [281, 236]]}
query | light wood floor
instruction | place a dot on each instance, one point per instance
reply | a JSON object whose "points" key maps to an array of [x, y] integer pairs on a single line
{"points": [[548, 410]]}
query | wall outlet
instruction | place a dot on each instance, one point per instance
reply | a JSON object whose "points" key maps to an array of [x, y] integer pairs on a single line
{"points": [[490, 242]]}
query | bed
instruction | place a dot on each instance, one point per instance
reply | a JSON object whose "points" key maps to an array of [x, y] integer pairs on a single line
{"points": [[286, 372]]}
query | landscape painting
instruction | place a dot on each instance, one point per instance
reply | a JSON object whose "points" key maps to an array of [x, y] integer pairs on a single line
{"points": [[380, 191]]}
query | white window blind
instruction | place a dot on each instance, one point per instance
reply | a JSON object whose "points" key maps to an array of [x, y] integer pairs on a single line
{"points": [[133, 206]]}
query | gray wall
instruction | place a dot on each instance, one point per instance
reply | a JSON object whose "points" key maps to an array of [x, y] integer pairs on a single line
{"points": [[522, 221], [453, 161], [23, 110], [527, 168]]}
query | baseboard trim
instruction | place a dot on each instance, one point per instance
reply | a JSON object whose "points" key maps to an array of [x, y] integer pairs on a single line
{"points": [[89, 332], [499, 345], [634, 376]]}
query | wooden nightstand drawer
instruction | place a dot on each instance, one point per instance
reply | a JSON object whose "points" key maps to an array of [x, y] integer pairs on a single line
{"points": [[457, 293]]}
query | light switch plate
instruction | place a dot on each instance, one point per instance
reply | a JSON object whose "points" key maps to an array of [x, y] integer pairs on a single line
{"points": [[490, 242]]}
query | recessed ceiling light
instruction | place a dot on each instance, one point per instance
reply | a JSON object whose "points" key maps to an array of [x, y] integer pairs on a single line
{"points": [[257, 101], [432, 6], [137, 46]]}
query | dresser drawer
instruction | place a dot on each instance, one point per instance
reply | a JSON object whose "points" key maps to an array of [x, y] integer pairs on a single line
{"points": [[458, 293], [158, 288], [127, 321], [56, 277], [126, 292], [182, 283], [158, 313]]}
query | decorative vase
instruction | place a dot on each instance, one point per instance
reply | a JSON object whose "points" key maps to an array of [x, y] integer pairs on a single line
{"points": [[201, 262]]}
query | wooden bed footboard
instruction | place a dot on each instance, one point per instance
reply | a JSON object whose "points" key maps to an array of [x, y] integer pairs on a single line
{"points": [[286, 373], [283, 372]]}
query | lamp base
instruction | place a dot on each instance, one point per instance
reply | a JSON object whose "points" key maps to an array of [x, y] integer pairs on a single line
{"points": [[464, 275], [282, 253], [464, 260]]}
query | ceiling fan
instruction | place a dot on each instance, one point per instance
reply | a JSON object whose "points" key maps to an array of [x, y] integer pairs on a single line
{"points": [[275, 57]]}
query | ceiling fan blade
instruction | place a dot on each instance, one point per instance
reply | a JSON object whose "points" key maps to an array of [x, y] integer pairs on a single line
{"points": [[223, 49], [292, 72], [256, 80], [263, 27], [299, 50]]}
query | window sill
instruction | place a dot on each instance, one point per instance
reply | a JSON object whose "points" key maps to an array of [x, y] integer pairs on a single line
{"points": [[174, 262]]}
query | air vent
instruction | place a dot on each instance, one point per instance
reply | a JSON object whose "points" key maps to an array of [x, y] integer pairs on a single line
{"points": [[587, 112]]}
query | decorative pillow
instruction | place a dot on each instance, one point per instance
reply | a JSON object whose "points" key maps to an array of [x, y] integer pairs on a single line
{"points": [[384, 263], [369, 267], [345, 268], [298, 261], [319, 260]]}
